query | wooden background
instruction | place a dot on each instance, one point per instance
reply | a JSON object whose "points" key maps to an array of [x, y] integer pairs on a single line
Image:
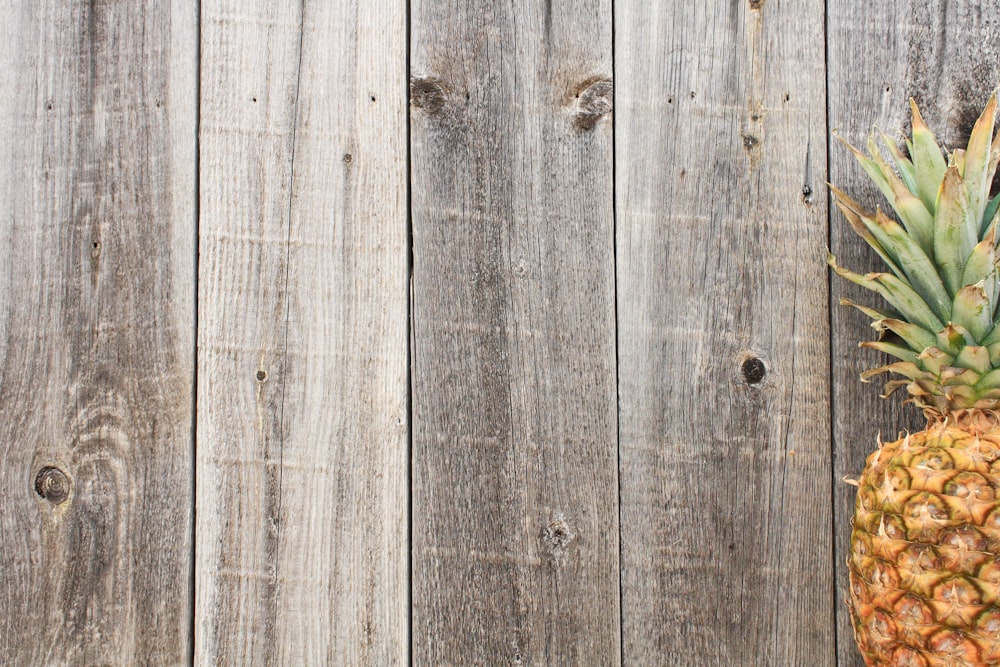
{"points": [[374, 332]]}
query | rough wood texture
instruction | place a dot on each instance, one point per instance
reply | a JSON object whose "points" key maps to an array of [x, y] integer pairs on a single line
{"points": [[97, 184], [880, 56], [515, 535], [302, 396], [722, 293], [730, 517]]}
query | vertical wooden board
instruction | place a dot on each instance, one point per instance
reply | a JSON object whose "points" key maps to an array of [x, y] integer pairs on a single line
{"points": [[345, 475], [249, 69], [302, 420], [880, 55], [723, 333], [97, 220], [515, 536]]}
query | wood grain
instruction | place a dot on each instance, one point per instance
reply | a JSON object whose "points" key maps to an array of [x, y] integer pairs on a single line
{"points": [[723, 348], [302, 393], [97, 184], [515, 536], [672, 263], [880, 56]]}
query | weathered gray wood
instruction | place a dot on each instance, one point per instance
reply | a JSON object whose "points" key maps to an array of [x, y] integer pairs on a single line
{"points": [[880, 56], [302, 396], [97, 184], [723, 347], [515, 536]]}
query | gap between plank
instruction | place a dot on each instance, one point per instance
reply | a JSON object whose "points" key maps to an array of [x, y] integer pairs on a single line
{"points": [[618, 401], [410, 340], [193, 570], [830, 337]]}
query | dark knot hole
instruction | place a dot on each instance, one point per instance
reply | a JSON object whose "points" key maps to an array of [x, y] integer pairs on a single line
{"points": [[753, 370]]}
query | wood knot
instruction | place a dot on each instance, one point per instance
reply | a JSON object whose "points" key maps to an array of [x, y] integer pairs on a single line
{"points": [[556, 537], [52, 484], [428, 93], [753, 370], [594, 100], [756, 4]]}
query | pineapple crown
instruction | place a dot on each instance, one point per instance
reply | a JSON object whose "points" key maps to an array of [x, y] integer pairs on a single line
{"points": [[943, 283]]}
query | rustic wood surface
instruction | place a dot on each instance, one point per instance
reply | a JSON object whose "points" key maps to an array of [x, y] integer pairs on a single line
{"points": [[97, 193], [515, 524], [302, 393], [487, 372], [723, 356], [881, 55]]}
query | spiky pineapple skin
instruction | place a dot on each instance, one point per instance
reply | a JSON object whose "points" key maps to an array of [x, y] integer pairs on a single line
{"points": [[925, 546]]}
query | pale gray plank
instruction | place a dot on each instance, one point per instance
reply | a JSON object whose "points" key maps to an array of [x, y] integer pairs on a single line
{"points": [[515, 536], [880, 56], [302, 402], [97, 227], [722, 223]]}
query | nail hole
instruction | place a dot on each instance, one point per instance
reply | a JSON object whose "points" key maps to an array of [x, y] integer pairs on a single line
{"points": [[787, 97], [261, 375], [97, 245], [373, 98], [750, 141], [48, 106], [348, 158], [753, 370], [52, 485], [254, 99]]}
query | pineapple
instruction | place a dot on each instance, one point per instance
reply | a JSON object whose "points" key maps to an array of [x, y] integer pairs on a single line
{"points": [[925, 544]]}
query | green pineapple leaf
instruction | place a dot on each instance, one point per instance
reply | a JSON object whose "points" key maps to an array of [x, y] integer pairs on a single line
{"points": [[903, 164], [928, 160], [954, 232], [978, 158], [972, 311]]}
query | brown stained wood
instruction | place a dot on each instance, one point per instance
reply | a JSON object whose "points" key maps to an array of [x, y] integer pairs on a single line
{"points": [[723, 334], [880, 56], [515, 535], [97, 183], [302, 400]]}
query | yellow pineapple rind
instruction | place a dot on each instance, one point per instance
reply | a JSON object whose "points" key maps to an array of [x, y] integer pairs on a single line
{"points": [[925, 546]]}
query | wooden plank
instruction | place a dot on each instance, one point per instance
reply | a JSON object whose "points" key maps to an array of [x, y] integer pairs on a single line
{"points": [[880, 56], [97, 186], [302, 393], [723, 347], [515, 540]]}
